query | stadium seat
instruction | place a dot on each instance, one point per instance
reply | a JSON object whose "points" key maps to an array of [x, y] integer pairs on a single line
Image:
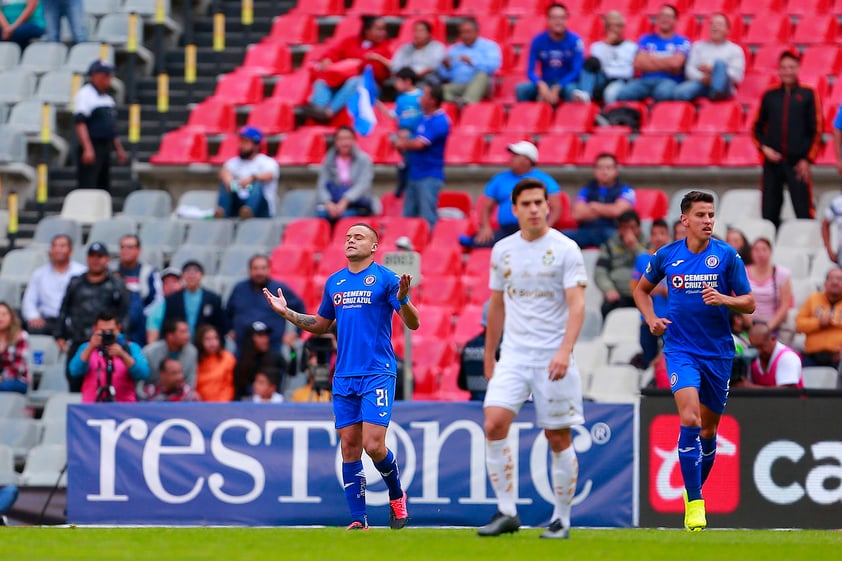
{"points": [[599, 143], [827, 153], [348, 26], [651, 204], [181, 147], [272, 116], [669, 117], [523, 8], [736, 204], [771, 28], [822, 59], [795, 259], [294, 87], [213, 116], [615, 327], [18, 85], [378, 145], [652, 150], [12, 406], [434, 19], [463, 148], [51, 226], [442, 291], [815, 30], [477, 269], [587, 24], [9, 55], [559, 149], [294, 29], [267, 59], [799, 233], [8, 475], [626, 7], [652, 7], [379, 7], [468, 325], [217, 233], [302, 147], [505, 88], [443, 259], [205, 255], [482, 117], [43, 57], [802, 8], [742, 151], [737, 26], [565, 220], [700, 150], [87, 206], [709, 7], [574, 117], [55, 87], [44, 465], [529, 118], [723, 117], [239, 88], [13, 145], [20, 434], [760, 7], [331, 260], [820, 377], [498, 153], [290, 260], [113, 29], [427, 8], [437, 325], [258, 232], [162, 233], [766, 57], [391, 205], [614, 383], [416, 229], [446, 233], [818, 82], [320, 7], [479, 8], [495, 27], [525, 30], [228, 148], [459, 200], [109, 231], [234, 263], [427, 365], [312, 233]]}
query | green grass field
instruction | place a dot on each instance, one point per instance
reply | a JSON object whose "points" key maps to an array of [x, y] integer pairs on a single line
{"points": [[412, 544]]}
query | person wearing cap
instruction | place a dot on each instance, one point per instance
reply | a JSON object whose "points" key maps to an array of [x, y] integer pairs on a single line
{"points": [[21, 21], [344, 184], [498, 192], [87, 296], [256, 355], [246, 305], [174, 343], [600, 203], [248, 181], [95, 115], [170, 284], [194, 304], [143, 282]]}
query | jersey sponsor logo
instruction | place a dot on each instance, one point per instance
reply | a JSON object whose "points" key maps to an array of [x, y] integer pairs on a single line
{"points": [[666, 486], [369, 280], [677, 281], [548, 258], [352, 298], [694, 282], [712, 261], [341, 282], [677, 262], [648, 267], [337, 299]]}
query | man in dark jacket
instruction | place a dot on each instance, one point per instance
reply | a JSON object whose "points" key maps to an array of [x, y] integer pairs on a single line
{"points": [[194, 304], [788, 131], [86, 297]]}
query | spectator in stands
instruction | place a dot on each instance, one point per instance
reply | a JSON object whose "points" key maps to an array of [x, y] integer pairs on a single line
{"points": [[96, 128], [599, 204], [144, 285], [266, 387], [498, 192], [472, 362], [215, 371], [319, 355], [820, 318], [679, 230], [332, 93], [659, 61], [788, 130], [611, 62], [776, 365], [771, 286], [73, 10], [42, 298], [423, 55], [715, 67], [560, 54], [194, 304], [248, 181], [426, 157], [837, 139], [738, 240], [256, 354], [616, 262], [108, 365], [469, 65], [659, 236], [170, 284], [170, 385], [345, 177], [21, 21], [86, 297], [408, 114], [832, 217], [245, 310], [175, 343], [14, 348]]}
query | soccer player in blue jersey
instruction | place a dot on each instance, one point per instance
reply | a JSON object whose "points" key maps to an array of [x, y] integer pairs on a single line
{"points": [[360, 300], [706, 278]]}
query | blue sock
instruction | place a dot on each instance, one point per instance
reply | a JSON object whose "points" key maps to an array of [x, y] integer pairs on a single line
{"points": [[708, 456], [353, 475], [690, 460], [388, 468]]}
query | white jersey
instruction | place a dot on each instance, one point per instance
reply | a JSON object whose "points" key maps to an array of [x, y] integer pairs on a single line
{"points": [[533, 277], [833, 214]]}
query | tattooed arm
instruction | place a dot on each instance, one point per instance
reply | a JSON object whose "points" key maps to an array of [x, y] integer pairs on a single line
{"points": [[312, 323]]}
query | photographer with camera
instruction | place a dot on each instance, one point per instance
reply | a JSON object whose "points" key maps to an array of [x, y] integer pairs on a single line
{"points": [[319, 360], [108, 364]]}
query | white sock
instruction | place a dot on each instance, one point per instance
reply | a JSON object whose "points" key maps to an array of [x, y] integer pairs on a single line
{"points": [[564, 468], [500, 466]]}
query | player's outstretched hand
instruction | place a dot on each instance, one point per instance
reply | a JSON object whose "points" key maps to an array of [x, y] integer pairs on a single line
{"points": [[278, 303], [559, 364], [711, 296], [403, 288], [659, 326]]}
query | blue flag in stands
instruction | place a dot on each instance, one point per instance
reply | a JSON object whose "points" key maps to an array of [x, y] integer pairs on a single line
{"points": [[361, 104]]}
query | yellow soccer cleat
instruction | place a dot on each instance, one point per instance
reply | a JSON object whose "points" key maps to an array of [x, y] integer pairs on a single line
{"points": [[694, 515]]}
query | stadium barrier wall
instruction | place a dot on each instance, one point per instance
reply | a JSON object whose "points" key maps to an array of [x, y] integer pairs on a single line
{"points": [[245, 464], [778, 464]]}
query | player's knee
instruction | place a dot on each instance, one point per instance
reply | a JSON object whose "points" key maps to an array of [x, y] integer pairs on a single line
{"points": [[690, 419]]}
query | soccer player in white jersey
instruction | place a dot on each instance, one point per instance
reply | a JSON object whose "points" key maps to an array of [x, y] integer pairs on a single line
{"points": [[537, 286]]}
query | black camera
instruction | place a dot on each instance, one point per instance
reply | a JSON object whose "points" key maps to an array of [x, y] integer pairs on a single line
{"points": [[322, 349], [108, 337]]}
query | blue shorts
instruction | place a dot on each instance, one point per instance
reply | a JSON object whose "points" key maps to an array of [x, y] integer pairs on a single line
{"points": [[710, 376], [365, 399]]}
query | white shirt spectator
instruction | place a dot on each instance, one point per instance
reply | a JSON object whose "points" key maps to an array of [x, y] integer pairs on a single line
{"points": [[617, 60], [45, 290], [708, 52], [258, 165]]}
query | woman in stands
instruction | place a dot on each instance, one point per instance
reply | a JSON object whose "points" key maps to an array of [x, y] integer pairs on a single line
{"points": [[345, 176], [736, 239], [770, 284], [14, 347], [215, 371]]}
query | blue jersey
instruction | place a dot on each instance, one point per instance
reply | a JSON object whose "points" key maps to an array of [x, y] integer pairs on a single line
{"points": [[697, 328], [362, 305], [659, 301], [429, 162], [408, 109], [560, 61], [659, 46], [500, 189]]}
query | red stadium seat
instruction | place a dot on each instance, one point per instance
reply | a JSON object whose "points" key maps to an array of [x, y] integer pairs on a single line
{"points": [[230, 147], [443, 291], [574, 117], [437, 325], [320, 7], [213, 116], [766, 57], [530, 117], [446, 233], [428, 359], [479, 8], [526, 28], [719, 118], [332, 260], [753, 86], [816, 81], [829, 116], [495, 27], [378, 145], [652, 150], [468, 325], [443, 259], [455, 199], [700, 150], [349, 26], [709, 7], [449, 384], [771, 28], [835, 96], [521, 8], [477, 211], [504, 91], [827, 155], [626, 7], [181, 147], [267, 59], [477, 265], [689, 27], [405, 31], [742, 151], [290, 260], [559, 149], [598, 143], [239, 88], [379, 7], [822, 59], [801, 8], [294, 29], [302, 147], [670, 116], [391, 205], [651, 204], [272, 116], [294, 87], [305, 288], [316, 54], [416, 229], [565, 220], [483, 117], [498, 152], [510, 64], [815, 30], [463, 148], [427, 7], [762, 8], [652, 7], [637, 26], [586, 24], [836, 9], [311, 233]]}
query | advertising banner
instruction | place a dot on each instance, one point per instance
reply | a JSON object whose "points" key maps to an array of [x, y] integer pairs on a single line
{"points": [[241, 464]]}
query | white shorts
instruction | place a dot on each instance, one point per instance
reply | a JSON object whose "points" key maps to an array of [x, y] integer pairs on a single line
{"points": [[558, 404]]}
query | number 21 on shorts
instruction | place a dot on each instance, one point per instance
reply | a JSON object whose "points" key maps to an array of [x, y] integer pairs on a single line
{"points": [[382, 397]]}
